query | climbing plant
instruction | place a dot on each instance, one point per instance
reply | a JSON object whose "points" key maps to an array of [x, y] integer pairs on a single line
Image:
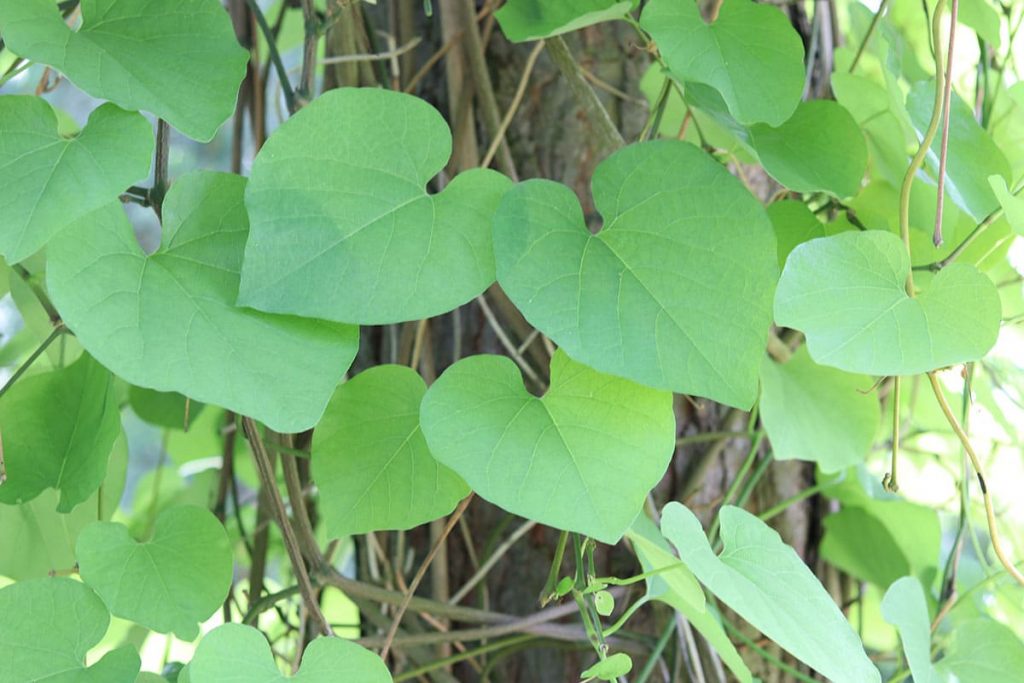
{"points": [[299, 320]]}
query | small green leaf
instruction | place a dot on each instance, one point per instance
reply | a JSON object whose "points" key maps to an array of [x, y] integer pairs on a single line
{"points": [[132, 54], [342, 227], [904, 606], [170, 583], [767, 584], [818, 149], [846, 293], [618, 664], [58, 430], [564, 586], [973, 156], [37, 540], [750, 54], [678, 588], [48, 628], [371, 462], [47, 180], [523, 20], [815, 413], [604, 603], [1013, 205], [794, 224], [675, 290], [233, 652], [582, 458], [162, 408], [168, 321]]}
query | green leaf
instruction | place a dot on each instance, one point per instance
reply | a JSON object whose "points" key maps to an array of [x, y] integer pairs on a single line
{"points": [[983, 651], [133, 54], [233, 652], [871, 106], [750, 54], [674, 292], [37, 540], [523, 20], [609, 669], [582, 458], [49, 626], [794, 224], [58, 430], [904, 606], [342, 227], [172, 582], [371, 462], [162, 408], [972, 154], [678, 588], [604, 603], [818, 149], [816, 413], [846, 293], [47, 180], [1013, 205], [767, 584], [168, 321]]}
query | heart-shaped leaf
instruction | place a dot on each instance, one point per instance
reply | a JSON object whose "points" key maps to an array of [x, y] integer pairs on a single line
{"points": [[767, 583], [58, 430], [49, 626], [170, 583], [342, 227], [811, 412], [750, 54], [904, 606], [818, 149], [133, 53], [168, 321], [674, 292], [233, 652], [523, 20], [846, 293], [371, 462], [38, 540], [582, 458], [49, 180]]}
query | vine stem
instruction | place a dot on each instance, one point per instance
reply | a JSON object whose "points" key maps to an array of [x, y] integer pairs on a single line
{"points": [[607, 134], [291, 543], [275, 55], [499, 137], [990, 514], [23, 368], [420, 573], [946, 95], [890, 482], [867, 36], [926, 143]]}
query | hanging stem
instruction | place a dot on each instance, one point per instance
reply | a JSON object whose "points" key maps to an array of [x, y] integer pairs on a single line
{"points": [[946, 94], [57, 331], [990, 514], [889, 482]]}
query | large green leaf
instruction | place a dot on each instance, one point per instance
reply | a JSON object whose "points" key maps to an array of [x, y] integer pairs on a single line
{"points": [[233, 652], [674, 292], [37, 540], [523, 20], [168, 321], [904, 606], [750, 54], [766, 583], [973, 156], [48, 627], [342, 227], [846, 293], [678, 588], [582, 458], [58, 429], [371, 462], [983, 651], [172, 582], [816, 413], [48, 180], [818, 149], [179, 60]]}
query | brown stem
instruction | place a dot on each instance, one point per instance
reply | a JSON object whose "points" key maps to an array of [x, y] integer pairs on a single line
{"points": [[947, 93]]}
